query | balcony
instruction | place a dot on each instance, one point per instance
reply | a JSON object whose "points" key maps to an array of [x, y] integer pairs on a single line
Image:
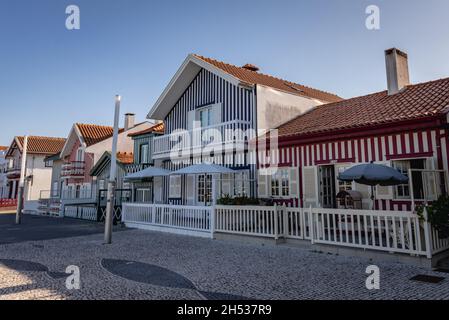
{"points": [[73, 170], [13, 172], [133, 168], [229, 135]]}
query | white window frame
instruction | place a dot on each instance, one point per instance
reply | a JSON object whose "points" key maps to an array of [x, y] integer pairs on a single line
{"points": [[80, 154], [278, 177]]}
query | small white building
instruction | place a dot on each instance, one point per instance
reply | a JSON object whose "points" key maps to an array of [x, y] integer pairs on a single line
{"points": [[3, 167], [38, 171]]}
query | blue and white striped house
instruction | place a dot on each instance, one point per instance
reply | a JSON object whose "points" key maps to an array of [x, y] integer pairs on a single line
{"points": [[206, 94]]}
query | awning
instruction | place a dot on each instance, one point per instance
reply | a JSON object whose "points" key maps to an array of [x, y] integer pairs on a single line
{"points": [[148, 173], [204, 168]]}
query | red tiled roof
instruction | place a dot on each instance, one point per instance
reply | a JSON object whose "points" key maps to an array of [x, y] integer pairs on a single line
{"points": [[254, 77], [125, 158], [158, 128], [42, 145], [3, 148], [93, 133], [415, 101]]}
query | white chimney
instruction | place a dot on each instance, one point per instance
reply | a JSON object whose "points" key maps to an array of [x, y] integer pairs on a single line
{"points": [[129, 120], [397, 70]]}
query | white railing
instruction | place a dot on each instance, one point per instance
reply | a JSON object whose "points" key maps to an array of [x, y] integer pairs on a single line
{"points": [[178, 219], [226, 133], [80, 212], [388, 231], [391, 231], [263, 221]]}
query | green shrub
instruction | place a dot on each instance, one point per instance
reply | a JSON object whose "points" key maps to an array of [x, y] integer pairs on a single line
{"points": [[438, 215]]}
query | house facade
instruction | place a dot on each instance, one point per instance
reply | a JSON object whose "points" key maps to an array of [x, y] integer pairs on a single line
{"points": [[405, 127], [86, 144], [3, 168], [38, 171], [207, 109]]}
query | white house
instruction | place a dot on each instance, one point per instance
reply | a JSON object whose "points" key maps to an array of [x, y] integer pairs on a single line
{"points": [[3, 168], [38, 171]]}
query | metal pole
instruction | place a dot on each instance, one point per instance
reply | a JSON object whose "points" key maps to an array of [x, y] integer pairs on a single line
{"points": [[112, 177], [22, 181]]}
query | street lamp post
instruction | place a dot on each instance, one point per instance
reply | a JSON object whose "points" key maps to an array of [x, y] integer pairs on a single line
{"points": [[112, 177], [22, 181]]}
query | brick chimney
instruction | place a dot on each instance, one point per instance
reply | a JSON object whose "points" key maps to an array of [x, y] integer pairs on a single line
{"points": [[397, 70], [251, 67], [129, 120]]}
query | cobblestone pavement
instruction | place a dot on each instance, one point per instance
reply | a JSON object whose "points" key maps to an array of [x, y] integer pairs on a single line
{"points": [[152, 265]]}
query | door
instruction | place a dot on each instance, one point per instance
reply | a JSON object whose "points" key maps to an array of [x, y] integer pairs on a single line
{"points": [[204, 189], [327, 186]]}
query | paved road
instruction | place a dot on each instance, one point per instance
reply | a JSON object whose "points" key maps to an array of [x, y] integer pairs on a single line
{"points": [[45, 228], [152, 265]]}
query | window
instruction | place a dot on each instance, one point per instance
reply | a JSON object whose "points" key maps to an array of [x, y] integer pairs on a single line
{"points": [[402, 191], [80, 155], [343, 185], [143, 152], [175, 186], [143, 195], [205, 115], [241, 185], [48, 164], [204, 188], [280, 183], [101, 184]]}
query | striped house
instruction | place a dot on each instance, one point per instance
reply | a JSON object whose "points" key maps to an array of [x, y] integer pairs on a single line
{"points": [[208, 94], [405, 127]]}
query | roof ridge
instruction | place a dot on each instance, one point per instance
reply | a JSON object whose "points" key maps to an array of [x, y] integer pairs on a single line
{"points": [[93, 125], [43, 137], [266, 75]]}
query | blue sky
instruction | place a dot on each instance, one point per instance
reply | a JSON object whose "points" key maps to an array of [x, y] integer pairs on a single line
{"points": [[51, 77]]}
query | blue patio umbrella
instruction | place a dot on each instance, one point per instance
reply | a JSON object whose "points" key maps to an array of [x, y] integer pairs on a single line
{"points": [[372, 174]]}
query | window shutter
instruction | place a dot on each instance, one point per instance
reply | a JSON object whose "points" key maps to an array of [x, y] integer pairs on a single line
{"points": [[175, 187], [226, 185], [216, 113], [190, 119], [190, 189], [157, 189], [310, 185], [294, 182], [383, 193], [263, 182]]}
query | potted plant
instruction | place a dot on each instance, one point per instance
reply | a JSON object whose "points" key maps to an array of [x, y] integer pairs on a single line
{"points": [[438, 215]]}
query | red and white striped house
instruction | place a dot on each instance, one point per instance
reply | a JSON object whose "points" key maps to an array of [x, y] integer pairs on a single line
{"points": [[405, 127]]}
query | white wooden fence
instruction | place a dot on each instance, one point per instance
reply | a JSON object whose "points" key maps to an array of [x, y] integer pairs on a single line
{"points": [[80, 212], [193, 220], [389, 231]]}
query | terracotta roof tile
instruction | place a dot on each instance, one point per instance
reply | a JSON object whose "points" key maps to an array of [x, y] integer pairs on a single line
{"points": [[125, 158], [158, 128], [254, 77], [93, 133], [415, 101], [42, 145], [3, 148]]}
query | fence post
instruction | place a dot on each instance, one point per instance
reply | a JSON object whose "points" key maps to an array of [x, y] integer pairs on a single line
{"points": [[427, 234], [276, 235], [312, 229], [285, 231], [212, 213]]}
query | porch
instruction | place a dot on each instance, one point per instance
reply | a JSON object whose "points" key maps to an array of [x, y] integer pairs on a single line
{"points": [[391, 232]]}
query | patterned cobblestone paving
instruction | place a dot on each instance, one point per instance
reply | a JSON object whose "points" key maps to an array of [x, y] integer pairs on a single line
{"points": [[216, 269]]}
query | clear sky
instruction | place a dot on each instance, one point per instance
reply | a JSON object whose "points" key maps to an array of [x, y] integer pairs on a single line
{"points": [[51, 77]]}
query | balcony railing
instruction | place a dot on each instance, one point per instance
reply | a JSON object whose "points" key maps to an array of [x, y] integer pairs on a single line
{"points": [[226, 134], [13, 171], [74, 169], [133, 168]]}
